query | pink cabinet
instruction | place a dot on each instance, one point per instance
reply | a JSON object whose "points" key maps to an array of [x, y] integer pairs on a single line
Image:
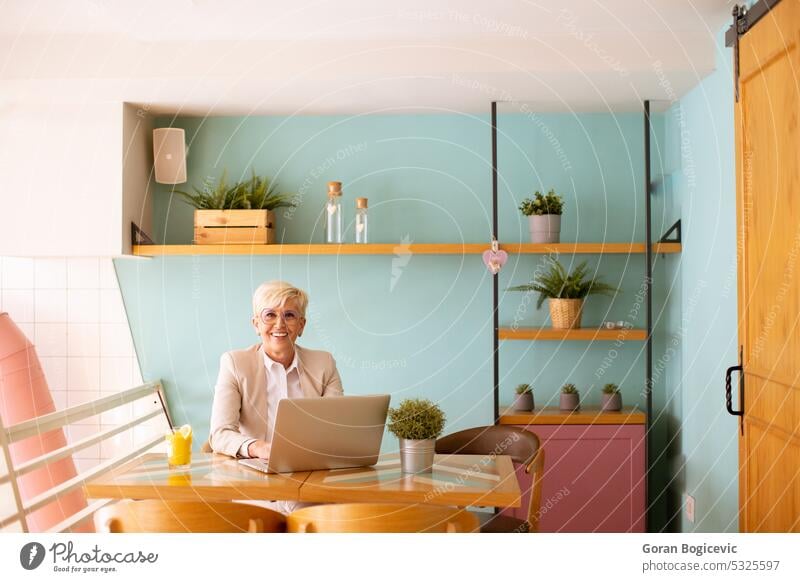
{"points": [[594, 476]]}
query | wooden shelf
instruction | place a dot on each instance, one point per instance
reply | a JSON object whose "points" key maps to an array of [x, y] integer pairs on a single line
{"points": [[586, 415], [589, 248], [581, 334], [397, 248], [313, 249]]}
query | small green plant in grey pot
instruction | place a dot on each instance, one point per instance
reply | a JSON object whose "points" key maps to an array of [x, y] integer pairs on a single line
{"points": [[524, 398], [416, 423], [570, 399], [544, 216], [612, 399]]}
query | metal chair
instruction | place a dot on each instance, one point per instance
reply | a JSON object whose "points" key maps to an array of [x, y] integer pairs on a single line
{"points": [[380, 518], [156, 516], [523, 447]]}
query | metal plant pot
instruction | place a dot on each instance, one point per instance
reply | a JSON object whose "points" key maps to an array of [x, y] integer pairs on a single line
{"points": [[569, 402], [416, 456], [545, 228], [524, 402], [611, 402]]}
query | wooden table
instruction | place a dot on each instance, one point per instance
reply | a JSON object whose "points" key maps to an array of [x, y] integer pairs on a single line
{"points": [[210, 478], [480, 480]]}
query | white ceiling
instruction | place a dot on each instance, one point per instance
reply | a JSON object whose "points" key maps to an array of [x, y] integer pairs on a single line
{"points": [[261, 57]]}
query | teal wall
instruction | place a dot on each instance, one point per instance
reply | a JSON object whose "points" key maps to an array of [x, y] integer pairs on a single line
{"points": [[421, 326], [700, 148]]}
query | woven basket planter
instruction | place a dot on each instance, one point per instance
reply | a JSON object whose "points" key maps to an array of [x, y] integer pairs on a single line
{"points": [[566, 313]]}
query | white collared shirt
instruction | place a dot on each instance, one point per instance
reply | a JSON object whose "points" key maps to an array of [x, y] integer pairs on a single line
{"points": [[281, 383]]}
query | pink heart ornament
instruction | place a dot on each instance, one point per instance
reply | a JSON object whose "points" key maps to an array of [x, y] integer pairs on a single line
{"points": [[495, 260]]}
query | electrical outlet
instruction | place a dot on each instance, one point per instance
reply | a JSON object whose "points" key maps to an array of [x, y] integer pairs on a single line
{"points": [[689, 507]]}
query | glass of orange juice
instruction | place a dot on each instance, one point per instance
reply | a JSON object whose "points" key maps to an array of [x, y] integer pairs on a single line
{"points": [[179, 447]]}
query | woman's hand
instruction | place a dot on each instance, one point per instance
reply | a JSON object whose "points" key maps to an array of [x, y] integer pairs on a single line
{"points": [[259, 449]]}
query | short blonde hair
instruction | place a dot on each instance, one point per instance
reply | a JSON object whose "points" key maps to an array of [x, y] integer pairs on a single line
{"points": [[276, 293]]}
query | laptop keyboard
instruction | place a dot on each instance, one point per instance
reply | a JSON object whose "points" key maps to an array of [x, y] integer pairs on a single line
{"points": [[257, 464]]}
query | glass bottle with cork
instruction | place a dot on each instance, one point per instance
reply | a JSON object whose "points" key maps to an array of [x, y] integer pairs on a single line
{"points": [[333, 213], [361, 220]]}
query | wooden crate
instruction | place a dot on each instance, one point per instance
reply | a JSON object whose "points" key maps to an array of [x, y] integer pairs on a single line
{"points": [[234, 227]]}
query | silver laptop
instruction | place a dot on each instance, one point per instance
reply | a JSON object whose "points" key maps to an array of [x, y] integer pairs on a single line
{"points": [[325, 433]]}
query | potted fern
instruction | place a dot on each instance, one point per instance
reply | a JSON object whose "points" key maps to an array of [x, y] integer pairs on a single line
{"points": [[417, 423], [566, 292], [570, 399], [544, 216], [238, 213], [524, 398], [612, 399]]}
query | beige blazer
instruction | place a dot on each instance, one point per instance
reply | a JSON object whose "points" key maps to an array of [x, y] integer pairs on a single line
{"points": [[239, 412]]}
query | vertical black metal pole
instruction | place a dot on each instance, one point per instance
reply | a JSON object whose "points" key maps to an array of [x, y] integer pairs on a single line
{"points": [[495, 280], [648, 254]]}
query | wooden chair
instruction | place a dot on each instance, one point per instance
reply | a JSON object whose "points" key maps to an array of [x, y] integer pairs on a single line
{"points": [[523, 447], [156, 516], [380, 518]]}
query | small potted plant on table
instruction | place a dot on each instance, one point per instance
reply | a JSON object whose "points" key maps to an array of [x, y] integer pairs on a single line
{"points": [[544, 216], [570, 399], [566, 292], [416, 423], [524, 398], [612, 399]]}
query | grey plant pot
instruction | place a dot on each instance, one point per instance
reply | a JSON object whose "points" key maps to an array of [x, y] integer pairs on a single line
{"points": [[545, 228], [416, 456], [611, 402], [569, 402], [524, 402]]}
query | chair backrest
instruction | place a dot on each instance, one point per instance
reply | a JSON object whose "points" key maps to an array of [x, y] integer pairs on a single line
{"points": [[41, 471], [520, 444], [380, 518], [157, 516]]}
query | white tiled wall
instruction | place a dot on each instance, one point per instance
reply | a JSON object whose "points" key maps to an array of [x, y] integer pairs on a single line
{"points": [[71, 308]]}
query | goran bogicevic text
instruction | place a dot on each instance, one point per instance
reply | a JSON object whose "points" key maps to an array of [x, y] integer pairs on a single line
{"points": [[696, 549]]}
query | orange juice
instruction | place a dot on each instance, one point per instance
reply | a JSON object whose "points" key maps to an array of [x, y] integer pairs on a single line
{"points": [[179, 447], [179, 479]]}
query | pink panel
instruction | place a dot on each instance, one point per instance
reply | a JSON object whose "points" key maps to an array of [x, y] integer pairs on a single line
{"points": [[594, 479], [24, 395]]}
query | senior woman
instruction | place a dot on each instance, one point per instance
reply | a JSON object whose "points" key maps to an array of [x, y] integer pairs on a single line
{"points": [[252, 381]]}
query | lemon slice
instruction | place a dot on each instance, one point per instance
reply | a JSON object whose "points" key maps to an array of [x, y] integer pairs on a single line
{"points": [[185, 431]]}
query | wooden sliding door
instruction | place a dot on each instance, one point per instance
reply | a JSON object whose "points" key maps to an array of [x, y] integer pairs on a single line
{"points": [[768, 220]]}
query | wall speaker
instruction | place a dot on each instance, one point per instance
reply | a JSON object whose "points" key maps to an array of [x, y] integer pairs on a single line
{"points": [[169, 155]]}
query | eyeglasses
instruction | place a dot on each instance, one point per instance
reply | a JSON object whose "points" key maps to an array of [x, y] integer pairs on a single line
{"points": [[289, 316]]}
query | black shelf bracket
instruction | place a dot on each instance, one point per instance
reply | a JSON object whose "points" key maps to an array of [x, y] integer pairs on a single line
{"points": [[138, 236], [676, 229]]}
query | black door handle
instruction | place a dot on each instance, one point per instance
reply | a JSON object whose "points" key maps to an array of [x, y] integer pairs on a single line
{"points": [[729, 396]]}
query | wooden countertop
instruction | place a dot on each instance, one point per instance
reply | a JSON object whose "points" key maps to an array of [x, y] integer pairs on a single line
{"points": [[481, 480], [586, 415]]}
